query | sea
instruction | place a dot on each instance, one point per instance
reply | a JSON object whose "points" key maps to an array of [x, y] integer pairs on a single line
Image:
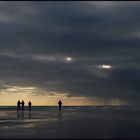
{"points": [[72, 122]]}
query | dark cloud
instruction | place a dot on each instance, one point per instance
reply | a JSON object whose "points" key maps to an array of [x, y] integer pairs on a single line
{"points": [[36, 37]]}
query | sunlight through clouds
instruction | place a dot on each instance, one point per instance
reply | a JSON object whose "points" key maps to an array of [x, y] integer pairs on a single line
{"points": [[105, 66], [73, 50]]}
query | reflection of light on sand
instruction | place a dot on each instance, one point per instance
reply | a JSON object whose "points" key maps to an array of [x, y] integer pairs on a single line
{"points": [[73, 123], [28, 123], [14, 120], [3, 114]]}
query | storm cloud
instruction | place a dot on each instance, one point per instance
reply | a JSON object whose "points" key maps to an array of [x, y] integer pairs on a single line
{"points": [[37, 37]]}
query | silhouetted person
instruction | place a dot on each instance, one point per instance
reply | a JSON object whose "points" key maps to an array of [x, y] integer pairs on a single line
{"points": [[18, 105], [60, 104], [22, 103], [29, 104]]}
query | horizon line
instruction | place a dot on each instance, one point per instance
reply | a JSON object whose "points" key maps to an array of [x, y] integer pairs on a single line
{"points": [[67, 105]]}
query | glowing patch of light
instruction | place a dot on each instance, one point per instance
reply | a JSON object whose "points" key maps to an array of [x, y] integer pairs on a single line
{"points": [[68, 59], [105, 66]]}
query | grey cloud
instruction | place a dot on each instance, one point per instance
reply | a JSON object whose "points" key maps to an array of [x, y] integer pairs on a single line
{"points": [[36, 37]]}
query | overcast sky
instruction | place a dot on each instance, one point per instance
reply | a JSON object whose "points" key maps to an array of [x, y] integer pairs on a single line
{"points": [[84, 49]]}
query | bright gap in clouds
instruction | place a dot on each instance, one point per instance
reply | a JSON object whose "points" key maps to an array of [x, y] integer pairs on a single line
{"points": [[68, 59], [105, 66]]}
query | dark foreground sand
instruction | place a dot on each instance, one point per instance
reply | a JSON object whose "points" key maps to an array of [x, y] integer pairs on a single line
{"points": [[72, 122]]}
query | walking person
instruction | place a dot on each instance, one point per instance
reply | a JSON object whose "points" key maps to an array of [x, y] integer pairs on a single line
{"points": [[22, 103], [29, 104], [18, 105], [60, 105]]}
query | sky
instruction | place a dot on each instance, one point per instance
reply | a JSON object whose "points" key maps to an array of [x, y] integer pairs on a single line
{"points": [[84, 53]]}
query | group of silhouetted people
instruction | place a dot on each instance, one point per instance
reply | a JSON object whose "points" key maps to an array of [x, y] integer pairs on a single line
{"points": [[30, 104], [22, 105]]}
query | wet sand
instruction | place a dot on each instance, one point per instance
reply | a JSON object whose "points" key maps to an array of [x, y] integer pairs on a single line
{"points": [[71, 122]]}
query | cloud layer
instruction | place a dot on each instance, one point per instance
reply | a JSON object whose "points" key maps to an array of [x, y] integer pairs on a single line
{"points": [[37, 37]]}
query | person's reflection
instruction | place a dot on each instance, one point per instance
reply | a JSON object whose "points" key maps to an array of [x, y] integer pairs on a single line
{"points": [[29, 114], [22, 114], [18, 114], [60, 115], [60, 130]]}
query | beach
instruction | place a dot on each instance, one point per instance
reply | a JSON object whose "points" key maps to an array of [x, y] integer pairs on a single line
{"points": [[71, 122]]}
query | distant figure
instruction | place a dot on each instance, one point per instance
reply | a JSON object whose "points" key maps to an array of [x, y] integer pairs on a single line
{"points": [[29, 104], [18, 105], [22, 103], [60, 104]]}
